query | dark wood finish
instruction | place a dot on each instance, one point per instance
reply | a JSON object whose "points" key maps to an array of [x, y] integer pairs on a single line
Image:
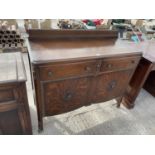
{"points": [[143, 76], [65, 95], [14, 110], [70, 34], [75, 73], [119, 64], [110, 85], [46, 51], [137, 82], [63, 70], [150, 83]]}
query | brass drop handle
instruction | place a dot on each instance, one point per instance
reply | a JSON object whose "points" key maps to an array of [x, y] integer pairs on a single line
{"points": [[98, 65], [88, 69], [109, 65], [50, 73], [68, 96], [111, 85]]}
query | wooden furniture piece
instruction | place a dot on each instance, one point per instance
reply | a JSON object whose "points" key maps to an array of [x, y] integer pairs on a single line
{"points": [[72, 69], [14, 109], [143, 76]]}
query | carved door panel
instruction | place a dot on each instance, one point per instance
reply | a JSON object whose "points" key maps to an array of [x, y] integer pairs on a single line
{"points": [[9, 115], [14, 111], [110, 85], [10, 123], [66, 95]]}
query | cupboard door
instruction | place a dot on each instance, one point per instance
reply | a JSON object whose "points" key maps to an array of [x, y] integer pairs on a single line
{"points": [[6, 95], [14, 110], [66, 95], [9, 114], [10, 123], [110, 85]]}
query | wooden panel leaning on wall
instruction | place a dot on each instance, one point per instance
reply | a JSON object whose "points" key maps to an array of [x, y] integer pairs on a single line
{"points": [[72, 69], [14, 109]]}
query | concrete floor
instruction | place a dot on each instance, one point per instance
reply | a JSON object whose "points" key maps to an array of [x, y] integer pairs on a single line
{"points": [[98, 119]]}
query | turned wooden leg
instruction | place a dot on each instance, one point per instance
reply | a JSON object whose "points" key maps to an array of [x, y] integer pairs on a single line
{"points": [[119, 100], [137, 82]]}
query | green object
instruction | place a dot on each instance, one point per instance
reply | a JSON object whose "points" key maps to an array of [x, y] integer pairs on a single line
{"points": [[135, 39], [90, 23], [118, 21]]}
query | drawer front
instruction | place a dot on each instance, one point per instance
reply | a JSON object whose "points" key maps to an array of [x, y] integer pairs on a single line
{"points": [[114, 64], [111, 85], [61, 71], [6, 95], [66, 95]]}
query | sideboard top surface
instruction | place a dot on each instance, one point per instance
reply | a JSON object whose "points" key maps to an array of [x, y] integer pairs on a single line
{"points": [[60, 50], [11, 68]]}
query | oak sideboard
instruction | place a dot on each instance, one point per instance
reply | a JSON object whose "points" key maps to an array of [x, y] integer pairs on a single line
{"points": [[72, 69]]}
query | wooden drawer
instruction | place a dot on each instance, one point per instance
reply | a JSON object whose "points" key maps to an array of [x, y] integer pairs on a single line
{"points": [[61, 71], [113, 64], [8, 106], [6, 95]]}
